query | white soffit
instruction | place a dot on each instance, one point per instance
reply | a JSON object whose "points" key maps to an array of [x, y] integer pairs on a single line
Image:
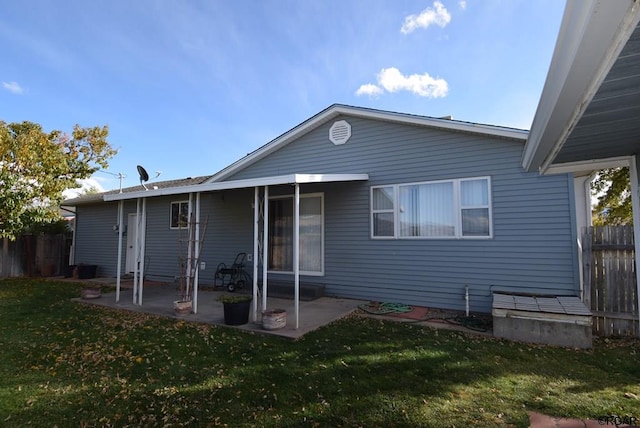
{"points": [[592, 34]]}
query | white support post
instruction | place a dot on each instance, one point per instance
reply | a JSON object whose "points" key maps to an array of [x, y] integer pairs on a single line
{"points": [[143, 245], [265, 246], [635, 203], [119, 266], [187, 277], [296, 253], [136, 266], [256, 237], [197, 253]]}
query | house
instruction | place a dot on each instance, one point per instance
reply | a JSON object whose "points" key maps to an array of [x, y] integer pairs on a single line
{"points": [[387, 206]]}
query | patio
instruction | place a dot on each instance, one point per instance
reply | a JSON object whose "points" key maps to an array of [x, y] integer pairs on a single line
{"points": [[159, 297]]}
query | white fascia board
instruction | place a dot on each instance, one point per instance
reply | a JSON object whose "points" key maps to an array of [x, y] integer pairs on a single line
{"points": [[337, 110], [239, 184], [588, 166], [592, 34]]}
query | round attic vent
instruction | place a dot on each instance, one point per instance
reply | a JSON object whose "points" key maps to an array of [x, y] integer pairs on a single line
{"points": [[340, 132]]}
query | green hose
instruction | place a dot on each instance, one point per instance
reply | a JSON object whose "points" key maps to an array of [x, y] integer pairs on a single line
{"points": [[386, 308]]}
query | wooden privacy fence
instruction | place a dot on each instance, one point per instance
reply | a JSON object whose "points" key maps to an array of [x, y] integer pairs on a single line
{"points": [[610, 279], [35, 255]]}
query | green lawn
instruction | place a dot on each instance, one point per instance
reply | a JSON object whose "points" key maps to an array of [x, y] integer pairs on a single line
{"points": [[69, 364]]}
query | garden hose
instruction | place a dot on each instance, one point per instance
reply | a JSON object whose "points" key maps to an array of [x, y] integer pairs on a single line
{"points": [[470, 322], [386, 308]]}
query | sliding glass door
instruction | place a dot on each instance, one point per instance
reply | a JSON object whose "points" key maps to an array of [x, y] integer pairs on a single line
{"points": [[311, 234]]}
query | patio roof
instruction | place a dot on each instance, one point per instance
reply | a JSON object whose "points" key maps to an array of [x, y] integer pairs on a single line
{"points": [[239, 184], [589, 109]]}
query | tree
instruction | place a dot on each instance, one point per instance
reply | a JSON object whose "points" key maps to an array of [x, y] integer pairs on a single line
{"points": [[612, 187], [36, 166]]}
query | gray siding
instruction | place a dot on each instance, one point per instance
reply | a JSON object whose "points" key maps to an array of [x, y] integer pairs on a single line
{"points": [[533, 222], [532, 248]]}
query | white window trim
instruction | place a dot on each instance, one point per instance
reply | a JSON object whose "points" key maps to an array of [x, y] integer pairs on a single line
{"points": [[457, 210], [170, 214], [322, 230]]}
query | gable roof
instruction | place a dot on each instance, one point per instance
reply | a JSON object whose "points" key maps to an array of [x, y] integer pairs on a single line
{"points": [[336, 110], [99, 197]]}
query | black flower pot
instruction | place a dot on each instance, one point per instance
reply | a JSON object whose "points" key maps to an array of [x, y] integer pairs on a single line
{"points": [[236, 313]]}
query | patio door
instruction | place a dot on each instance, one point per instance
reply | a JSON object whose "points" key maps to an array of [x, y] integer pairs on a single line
{"points": [[132, 229], [311, 234]]}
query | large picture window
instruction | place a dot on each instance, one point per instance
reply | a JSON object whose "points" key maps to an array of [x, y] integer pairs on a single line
{"points": [[439, 209], [311, 234]]}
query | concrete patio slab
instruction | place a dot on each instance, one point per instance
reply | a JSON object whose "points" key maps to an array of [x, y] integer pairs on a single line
{"points": [[158, 300]]}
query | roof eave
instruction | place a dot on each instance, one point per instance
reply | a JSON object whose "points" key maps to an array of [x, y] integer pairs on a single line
{"points": [[592, 34]]}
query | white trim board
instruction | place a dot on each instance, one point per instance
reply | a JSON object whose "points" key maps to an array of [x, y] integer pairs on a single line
{"points": [[239, 184]]}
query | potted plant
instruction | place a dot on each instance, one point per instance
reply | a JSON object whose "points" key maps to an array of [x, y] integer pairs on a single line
{"points": [[236, 308], [185, 304]]}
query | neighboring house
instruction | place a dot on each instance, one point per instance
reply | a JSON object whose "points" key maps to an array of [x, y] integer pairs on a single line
{"points": [[393, 207]]}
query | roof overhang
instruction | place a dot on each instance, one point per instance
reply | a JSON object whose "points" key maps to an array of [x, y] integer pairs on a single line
{"points": [[590, 102], [337, 110], [239, 184]]}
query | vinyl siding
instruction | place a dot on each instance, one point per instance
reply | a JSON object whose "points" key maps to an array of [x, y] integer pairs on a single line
{"points": [[532, 249]]}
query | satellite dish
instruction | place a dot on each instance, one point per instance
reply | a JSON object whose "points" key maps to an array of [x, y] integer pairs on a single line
{"points": [[144, 176]]}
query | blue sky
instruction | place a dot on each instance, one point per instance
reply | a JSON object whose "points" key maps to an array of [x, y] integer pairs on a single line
{"points": [[188, 87]]}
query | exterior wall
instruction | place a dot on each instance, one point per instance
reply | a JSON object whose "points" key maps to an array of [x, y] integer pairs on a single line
{"points": [[229, 214], [532, 250]]}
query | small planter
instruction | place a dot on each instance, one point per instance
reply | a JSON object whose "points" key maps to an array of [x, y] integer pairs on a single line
{"points": [[236, 309], [182, 307], [91, 292], [274, 319]]}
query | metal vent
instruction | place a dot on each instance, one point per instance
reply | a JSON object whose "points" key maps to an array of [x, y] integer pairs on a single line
{"points": [[340, 132]]}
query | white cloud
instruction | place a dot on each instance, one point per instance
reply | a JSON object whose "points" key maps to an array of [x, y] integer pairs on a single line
{"points": [[392, 80], [369, 89], [463, 4], [438, 15], [13, 87], [87, 184]]}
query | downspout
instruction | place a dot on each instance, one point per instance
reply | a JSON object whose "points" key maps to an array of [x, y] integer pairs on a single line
{"points": [[296, 253], [635, 203], [119, 268]]}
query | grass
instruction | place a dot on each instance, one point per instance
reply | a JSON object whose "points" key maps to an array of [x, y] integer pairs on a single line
{"points": [[69, 364]]}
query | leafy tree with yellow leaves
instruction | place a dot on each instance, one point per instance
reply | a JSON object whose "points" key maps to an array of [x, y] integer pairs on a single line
{"points": [[36, 166]]}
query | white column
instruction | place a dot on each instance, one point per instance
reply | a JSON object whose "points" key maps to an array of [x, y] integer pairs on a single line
{"points": [[296, 253], [265, 246], [187, 277], [197, 255], [119, 266], [143, 245], [256, 237], [137, 253], [635, 203]]}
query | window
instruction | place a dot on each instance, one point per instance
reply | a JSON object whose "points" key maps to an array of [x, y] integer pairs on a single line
{"points": [[439, 209], [179, 214], [311, 234]]}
